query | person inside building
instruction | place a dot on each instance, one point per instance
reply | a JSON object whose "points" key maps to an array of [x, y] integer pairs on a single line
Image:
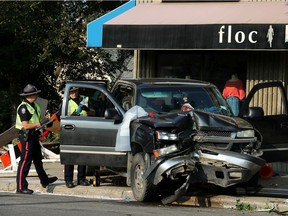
{"points": [[234, 93], [77, 106], [27, 121]]}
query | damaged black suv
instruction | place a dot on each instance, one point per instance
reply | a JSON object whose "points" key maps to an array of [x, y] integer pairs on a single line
{"points": [[164, 133]]}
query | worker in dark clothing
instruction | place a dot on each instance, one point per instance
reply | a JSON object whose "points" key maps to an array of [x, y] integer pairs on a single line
{"points": [[27, 120], [77, 106], [81, 175]]}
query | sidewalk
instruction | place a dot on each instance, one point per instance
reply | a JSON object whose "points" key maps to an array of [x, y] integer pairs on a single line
{"points": [[107, 190], [110, 189]]}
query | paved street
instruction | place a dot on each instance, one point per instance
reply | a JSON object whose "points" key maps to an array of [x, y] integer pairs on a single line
{"points": [[114, 189], [39, 204]]}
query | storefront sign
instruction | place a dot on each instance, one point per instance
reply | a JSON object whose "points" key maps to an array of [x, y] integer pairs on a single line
{"points": [[239, 36], [219, 36], [226, 34]]}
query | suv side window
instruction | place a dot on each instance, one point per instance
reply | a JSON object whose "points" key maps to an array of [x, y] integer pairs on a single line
{"points": [[270, 102], [125, 95], [86, 102]]}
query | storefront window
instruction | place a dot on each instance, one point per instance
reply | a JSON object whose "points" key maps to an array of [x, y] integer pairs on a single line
{"points": [[211, 66]]}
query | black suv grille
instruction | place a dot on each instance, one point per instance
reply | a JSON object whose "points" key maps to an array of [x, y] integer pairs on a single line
{"points": [[219, 133]]}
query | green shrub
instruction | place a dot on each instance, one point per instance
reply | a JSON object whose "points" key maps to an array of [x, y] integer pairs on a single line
{"points": [[244, 206]]}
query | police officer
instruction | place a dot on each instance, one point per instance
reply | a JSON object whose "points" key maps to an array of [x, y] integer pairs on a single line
{"points": [[27, 120], [76, 106]]}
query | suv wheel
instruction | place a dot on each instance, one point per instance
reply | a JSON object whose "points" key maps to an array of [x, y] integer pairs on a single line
{"points": [[142, 189]]}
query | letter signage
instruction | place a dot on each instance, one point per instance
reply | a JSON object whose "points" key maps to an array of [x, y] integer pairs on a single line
{"points": [[237, 36], [254, 36], [198, 37]]}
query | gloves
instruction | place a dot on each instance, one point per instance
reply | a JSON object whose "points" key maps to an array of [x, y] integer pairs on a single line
{"points": [[80, 108]]}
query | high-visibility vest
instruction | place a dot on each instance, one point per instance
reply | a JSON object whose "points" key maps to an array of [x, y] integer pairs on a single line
{"points": [[73, 106], [35, 118]]}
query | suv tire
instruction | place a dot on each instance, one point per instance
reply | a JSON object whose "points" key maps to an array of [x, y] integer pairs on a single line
{"points": [[142, 189]]}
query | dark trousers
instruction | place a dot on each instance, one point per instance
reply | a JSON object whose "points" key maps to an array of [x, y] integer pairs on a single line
{"points": [[69, 169], [31, 151]]}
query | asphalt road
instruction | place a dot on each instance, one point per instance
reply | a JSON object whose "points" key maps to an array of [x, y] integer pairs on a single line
{"points": [[117, 190], [39, 204]]}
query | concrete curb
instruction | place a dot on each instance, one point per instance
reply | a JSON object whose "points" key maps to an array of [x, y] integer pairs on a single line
{"points": [[235, 202], [105, 191]]}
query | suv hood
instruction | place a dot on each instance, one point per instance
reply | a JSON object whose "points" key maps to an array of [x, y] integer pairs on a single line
{"points": [[197, 119]]}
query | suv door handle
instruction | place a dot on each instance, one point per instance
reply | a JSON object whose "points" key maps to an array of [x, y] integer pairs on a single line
{"points": [[69, 127]]}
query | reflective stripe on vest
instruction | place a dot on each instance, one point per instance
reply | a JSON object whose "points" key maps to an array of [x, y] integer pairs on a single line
{"points": [[34, 112]]}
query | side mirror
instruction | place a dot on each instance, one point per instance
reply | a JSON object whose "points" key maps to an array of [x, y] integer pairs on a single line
{"points": [[112, 113], [255, 112]]}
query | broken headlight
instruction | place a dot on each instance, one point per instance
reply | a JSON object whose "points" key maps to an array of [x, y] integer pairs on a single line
{"points": [[165, 150], [166, 136], [245, 133], [165, 146]]}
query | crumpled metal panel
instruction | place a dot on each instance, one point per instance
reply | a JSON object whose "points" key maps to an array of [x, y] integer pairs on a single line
{"points": [[226, 168]]}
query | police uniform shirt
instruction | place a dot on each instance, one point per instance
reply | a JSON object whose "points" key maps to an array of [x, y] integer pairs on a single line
{"points": [[24, 113]]}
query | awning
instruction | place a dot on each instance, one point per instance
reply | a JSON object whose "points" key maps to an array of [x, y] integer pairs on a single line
{"points": [[95, 28], [200, 25]]}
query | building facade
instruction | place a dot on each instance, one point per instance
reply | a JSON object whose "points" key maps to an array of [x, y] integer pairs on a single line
{"points": [[202, 40]]}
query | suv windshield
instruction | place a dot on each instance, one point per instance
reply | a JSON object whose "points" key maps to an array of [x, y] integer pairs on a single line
{"points": [[171, 99]]}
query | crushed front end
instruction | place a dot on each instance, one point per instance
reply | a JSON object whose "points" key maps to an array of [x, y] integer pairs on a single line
{"points": [[199, 147]]}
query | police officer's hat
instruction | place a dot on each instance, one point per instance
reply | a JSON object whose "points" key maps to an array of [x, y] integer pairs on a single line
{"points": [[29, 90], [73, 88]]}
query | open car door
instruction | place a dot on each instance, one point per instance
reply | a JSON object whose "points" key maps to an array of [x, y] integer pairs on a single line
{"points": [[89, 138], [266, 109]]}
